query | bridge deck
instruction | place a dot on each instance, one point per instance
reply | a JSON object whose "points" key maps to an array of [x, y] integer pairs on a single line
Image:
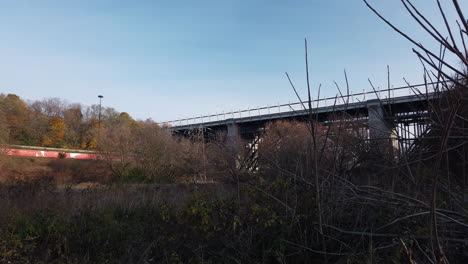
{"points": [[356, 106]]}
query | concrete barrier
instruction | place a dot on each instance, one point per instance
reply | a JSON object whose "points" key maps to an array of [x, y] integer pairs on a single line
{"points": [[49, 154]]}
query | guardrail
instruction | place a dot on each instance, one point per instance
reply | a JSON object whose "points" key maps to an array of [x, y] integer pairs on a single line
{"points": [[50, 149], [297, 106], [38, 152]]}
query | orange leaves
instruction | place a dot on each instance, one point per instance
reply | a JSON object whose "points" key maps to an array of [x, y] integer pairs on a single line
{"points": [[55, 133]]}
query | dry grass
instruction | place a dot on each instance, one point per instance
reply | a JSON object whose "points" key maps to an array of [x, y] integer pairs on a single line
{"points": [[64, 171]]}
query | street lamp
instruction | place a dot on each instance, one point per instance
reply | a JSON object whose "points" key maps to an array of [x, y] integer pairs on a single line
{"points": [[99, 128], [100, 98]]}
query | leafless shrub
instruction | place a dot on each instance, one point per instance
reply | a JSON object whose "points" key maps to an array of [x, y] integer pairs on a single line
{"points": [[405, 186], [157, 154], [447, 114], [116, 146]]}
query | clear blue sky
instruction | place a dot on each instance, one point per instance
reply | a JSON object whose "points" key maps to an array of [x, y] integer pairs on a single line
{"points": [[179, 58]]}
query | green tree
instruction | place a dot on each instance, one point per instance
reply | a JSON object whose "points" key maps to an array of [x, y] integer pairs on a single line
{"points": [[125, 118], [4, 131], [16, 114]]}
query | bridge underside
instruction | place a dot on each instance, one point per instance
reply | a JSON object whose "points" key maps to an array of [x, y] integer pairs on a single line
{"points": [[404, 119]]}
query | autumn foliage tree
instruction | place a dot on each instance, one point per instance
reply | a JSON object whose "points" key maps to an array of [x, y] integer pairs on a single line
{"points": [[73, 119], [56, 133]]}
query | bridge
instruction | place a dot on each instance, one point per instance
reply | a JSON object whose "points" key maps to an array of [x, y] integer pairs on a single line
{"points": [[399, 113]]}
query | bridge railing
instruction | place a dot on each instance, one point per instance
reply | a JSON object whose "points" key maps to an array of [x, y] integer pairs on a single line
{"points": [[337, 100]]}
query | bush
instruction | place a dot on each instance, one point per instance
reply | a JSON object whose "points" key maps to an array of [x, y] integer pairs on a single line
{"points": [[31, 186], [76, 171], [132, 175]]}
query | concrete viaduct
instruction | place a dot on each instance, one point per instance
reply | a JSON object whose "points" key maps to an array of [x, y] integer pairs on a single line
{"points": [[402, 111]]}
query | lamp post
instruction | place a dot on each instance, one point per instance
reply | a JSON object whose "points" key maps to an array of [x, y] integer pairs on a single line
{"points": [[100, 98], [99, 128]]}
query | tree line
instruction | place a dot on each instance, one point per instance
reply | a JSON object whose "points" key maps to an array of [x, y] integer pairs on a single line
{"points": [[53, 122]]}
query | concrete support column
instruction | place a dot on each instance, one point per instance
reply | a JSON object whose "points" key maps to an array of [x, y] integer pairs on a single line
{"points": [[232, 141], [233, 135], [380, 130], [378, 126]]}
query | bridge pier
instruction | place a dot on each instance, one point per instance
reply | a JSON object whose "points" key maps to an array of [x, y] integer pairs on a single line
{"points": [[232, 142], [381, 131], [233, 135]]}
